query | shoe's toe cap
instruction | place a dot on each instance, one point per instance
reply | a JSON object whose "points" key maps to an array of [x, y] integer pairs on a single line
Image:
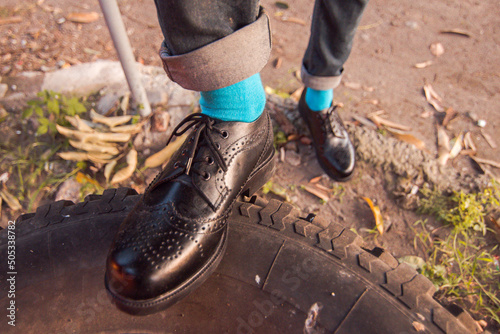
{"points": [[338, 159], [146, 264]]}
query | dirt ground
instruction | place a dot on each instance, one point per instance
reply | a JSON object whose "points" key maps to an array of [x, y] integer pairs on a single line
{"points": [[379, 75]]}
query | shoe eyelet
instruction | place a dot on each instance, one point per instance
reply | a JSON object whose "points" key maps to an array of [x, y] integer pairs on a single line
{"points": [[206, 176], [217, 145], [224, 134], [210, 160], [176, 164]]}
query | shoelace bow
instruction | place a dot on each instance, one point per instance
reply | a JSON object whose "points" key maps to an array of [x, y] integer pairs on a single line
{"points": [[202, 124]]}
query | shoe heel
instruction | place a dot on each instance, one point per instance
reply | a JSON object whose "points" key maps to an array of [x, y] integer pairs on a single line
{"points": [[256, 181]]}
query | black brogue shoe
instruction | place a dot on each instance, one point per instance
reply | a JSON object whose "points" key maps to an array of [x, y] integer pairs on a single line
{"points": [[334, 149], [176, 235]]}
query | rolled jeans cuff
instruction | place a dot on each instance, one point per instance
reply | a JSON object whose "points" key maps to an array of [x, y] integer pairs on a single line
{"points": [[319, 83], [224, 62]]}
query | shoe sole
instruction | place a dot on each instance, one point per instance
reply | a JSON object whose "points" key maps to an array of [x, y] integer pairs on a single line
{"points": [[337, 178], [153, 305]]}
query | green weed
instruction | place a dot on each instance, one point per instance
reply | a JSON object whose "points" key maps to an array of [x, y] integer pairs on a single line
{"points": [[460, 258], [51, 110], [35, 171]]}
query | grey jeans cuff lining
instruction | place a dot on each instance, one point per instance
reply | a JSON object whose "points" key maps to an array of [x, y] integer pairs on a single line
{"points": [[223, 62], [319, 83]]}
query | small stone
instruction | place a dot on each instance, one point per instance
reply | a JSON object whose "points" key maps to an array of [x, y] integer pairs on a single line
{"points": [[160, 121], [412, 24], [437, 49], [293, 158], [481, 123], [69, 190]]}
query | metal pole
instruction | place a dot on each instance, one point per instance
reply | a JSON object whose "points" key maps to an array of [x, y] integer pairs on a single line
{"points": [[120, 39]]}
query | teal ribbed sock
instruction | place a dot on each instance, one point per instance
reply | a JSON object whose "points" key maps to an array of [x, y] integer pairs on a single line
{"points": [[243, 102], [318, 100]]}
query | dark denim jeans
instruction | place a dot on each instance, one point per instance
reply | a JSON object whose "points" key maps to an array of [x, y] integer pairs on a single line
{"points": [[213, 44]]}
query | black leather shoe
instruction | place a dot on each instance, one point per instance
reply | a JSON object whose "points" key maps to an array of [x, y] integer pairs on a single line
{"points": [[335, 152], [176, 235]]}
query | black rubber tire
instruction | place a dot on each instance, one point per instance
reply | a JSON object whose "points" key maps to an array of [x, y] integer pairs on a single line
{"points": [[281, 268]]}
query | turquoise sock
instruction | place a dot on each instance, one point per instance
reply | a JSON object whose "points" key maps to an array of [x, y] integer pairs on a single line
{"points": [[318, 100], [243, 102]]}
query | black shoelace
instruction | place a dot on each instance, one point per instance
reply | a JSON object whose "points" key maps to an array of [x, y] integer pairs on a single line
{"points": [[203, 125]]}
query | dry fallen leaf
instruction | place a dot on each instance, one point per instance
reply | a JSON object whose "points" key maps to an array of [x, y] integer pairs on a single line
{"points": [[78, 123], [408, 138], [450, 114], [95, 137], [366, 122], [124, 173], [433, 98], [489, 140], [296, 95], [162, 156], [437, 49], [298, 75], [486, 161], [11, 201], [317, 192], [125, 102], [109, 121], [129, 128], [459, 32], [443, 145], [382, 121], [426, 114], [424, 64], [352, 85], [315, 179], [468, 143], [457, 146], [323, 188], [294, 20], [83, 17], [83, 178], [108, 169], [98, 148], [10, 20], [418, 326], [85, 156], [376, 214], [278, 62]]}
